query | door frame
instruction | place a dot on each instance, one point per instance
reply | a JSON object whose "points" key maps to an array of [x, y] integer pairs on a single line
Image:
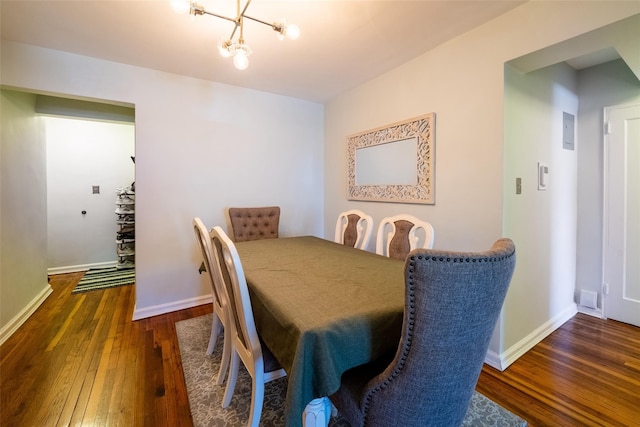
{"points": [[606, 197]]}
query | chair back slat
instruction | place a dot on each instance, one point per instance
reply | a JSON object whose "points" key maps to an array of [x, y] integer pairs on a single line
{"points": [[354, 228], [400, 234]]}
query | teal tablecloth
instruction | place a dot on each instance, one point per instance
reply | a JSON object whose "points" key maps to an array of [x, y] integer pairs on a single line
{"points": [[322, 308]]}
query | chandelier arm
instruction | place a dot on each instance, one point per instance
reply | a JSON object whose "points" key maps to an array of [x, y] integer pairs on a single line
{"points": [[233, 33], [244, 10], [275, 27], [240, 21], [206, 12]]}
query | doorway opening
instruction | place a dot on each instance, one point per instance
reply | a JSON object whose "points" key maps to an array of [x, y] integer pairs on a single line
{"points": [[90, 161]]}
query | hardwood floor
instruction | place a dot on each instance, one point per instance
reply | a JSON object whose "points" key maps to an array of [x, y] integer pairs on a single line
{"points": [[80, 360]]}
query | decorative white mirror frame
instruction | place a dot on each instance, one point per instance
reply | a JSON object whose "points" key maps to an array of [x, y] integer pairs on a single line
{"points": [[423, 129]]}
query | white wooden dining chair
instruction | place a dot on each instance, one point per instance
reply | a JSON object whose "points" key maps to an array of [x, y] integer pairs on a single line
{"points": [[400, 234], [246, 346], [221, 309], [354, 228]]}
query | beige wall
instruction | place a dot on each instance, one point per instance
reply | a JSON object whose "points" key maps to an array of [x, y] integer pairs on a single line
{"points": [[543, 223], [23, 204]]}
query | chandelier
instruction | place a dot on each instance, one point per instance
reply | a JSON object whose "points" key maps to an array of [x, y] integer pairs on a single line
{"points": [[237, 48]]}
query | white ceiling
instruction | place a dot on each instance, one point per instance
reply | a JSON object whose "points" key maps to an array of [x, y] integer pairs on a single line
{"points": [[342, 43]]}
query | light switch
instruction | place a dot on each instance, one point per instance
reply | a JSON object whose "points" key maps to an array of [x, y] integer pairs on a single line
{"points": [[543, 176], [96, 189], [518, 185]]}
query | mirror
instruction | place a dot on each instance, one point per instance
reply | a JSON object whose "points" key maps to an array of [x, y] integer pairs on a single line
{"points": [[393, 163], [379, 164]]}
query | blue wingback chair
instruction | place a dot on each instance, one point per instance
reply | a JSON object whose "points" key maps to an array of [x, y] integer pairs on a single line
{"points": [[452, 303]]}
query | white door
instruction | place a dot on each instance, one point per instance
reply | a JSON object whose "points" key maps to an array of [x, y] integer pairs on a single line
{"points": [[621, 248]]}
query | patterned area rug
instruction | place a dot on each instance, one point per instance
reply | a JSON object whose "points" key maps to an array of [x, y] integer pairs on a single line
{"points": [[205, 396], [102, 278]]}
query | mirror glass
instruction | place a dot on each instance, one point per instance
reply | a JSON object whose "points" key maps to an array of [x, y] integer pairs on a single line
{"points": [[390, 163]]}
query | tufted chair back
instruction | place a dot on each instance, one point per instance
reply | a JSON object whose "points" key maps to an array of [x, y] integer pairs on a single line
{"points": [[452, 303], [254, 223]]}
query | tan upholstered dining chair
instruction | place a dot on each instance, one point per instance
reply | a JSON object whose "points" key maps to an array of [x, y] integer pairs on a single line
{"points": [[246, 346], [254, 223], [221, 309], [354, 228], [398, 235]]}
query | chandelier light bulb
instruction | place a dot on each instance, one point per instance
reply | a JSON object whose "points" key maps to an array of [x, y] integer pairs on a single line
{"points": [[181, 6], [292, 32], [281, 28], [241, 58], [225, 47]]}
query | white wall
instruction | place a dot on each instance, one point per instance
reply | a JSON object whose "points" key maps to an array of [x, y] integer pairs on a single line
{"points": [[23, 209], [543, 223], [462, 81], [200, 147], [80, 154], [608, 84]]}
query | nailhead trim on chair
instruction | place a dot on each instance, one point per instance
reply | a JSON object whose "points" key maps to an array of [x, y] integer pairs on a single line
{"points": [[405, 350]]}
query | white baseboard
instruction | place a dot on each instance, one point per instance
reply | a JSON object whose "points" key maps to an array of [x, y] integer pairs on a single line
{"points": [[493, 359], [24, 314], [156, 310], [81, 267], [506, 358], [595, 312]]}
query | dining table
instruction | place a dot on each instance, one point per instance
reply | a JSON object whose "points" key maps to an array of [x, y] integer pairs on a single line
{"points": [[321, 308]]}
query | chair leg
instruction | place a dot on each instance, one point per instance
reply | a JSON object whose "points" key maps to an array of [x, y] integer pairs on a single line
{"points": [[231, 381], [257, 398], [317, 413], [226, 356], [216, 327]]}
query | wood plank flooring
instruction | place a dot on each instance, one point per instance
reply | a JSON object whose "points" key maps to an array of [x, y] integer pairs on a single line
{"points": [[80, 361]]}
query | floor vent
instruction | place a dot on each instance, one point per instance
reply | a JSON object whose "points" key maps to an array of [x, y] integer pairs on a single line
{"points": [[588, 299]]}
